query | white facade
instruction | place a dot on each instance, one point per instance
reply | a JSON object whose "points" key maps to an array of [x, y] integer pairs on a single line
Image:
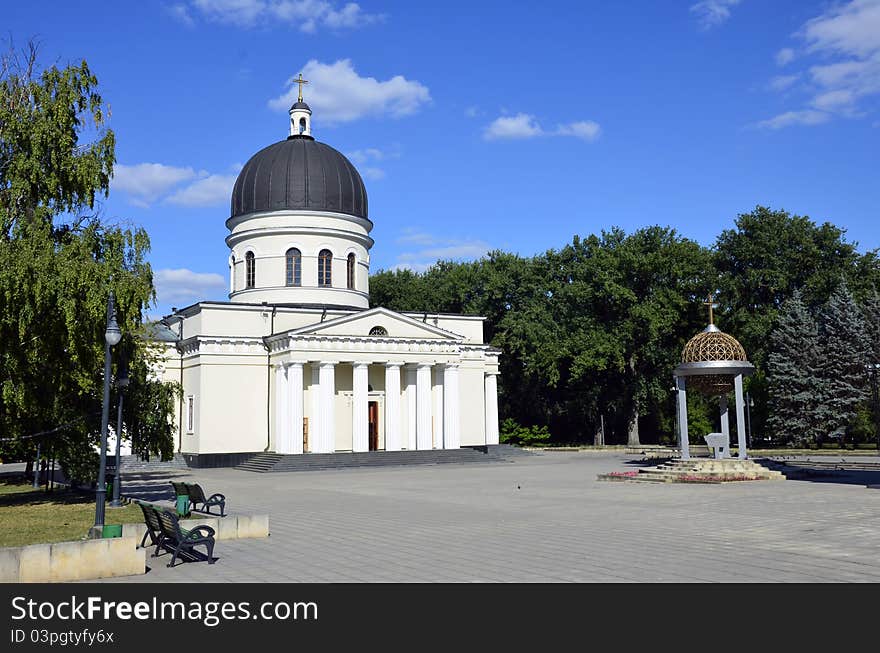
{"points": [[280, 379]]}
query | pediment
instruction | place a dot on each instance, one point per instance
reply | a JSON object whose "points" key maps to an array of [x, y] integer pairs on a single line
{"points": [[365, 322]]}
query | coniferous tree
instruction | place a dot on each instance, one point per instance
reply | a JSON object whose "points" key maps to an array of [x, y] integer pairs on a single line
{"points": [[794, 375], [871, 312], [845, 356]]}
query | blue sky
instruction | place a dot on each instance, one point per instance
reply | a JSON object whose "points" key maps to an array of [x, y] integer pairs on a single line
{"points": [[483, 125]]}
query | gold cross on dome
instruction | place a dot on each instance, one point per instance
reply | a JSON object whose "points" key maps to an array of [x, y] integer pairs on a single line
{"points": [[710, 302], [299, 80]]}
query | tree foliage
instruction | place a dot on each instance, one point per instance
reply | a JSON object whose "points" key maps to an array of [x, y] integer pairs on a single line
{"points": [[595, 328], [794, 375], [59, 260]]}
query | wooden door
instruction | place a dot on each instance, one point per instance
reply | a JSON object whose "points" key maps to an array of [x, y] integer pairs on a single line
{"points": [[373, 412], [305, 434]]}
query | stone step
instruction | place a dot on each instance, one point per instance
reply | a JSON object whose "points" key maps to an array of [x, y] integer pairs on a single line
{"points": [[272, 462]]}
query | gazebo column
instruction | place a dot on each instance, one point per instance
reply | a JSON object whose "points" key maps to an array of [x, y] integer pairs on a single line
{"points": [[360, 418], [683, 417], [392, 407], [295, 408], [740, 416], [725, 422]]}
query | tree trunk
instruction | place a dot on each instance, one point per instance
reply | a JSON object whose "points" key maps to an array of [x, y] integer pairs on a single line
{"points": [[632, 439]]}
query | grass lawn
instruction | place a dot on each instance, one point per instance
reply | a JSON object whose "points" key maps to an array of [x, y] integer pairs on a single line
{"points": [[29, 516]]}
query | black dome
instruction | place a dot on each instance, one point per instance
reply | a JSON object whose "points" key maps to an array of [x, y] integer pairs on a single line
{"points": [[299, 173]]}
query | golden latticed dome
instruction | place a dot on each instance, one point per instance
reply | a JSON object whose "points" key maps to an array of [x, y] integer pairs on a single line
{"points": [[712, 345]]}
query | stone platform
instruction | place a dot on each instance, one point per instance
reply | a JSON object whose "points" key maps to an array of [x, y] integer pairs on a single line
{"points": [[698, 470]]}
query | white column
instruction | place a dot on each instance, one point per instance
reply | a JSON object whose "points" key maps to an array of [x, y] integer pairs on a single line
{"points": [[326, 421], [725, 424], [360, 439], [315, 401], [410, 392], [280, 409], [740, 416], [451, 408], [295, 407], [438, 406], [491, 408], [392, 406], [423, 408], [683, 417]]}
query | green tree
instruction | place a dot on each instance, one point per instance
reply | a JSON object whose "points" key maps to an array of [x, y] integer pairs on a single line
{"points": [[58, 260], [845, 354], [871, 312], [762, 260], [794, 375]]}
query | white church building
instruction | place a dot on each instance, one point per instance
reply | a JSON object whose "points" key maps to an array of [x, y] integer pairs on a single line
{"points": [[296, 362]]}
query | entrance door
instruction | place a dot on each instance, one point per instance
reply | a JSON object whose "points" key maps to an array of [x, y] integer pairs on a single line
{"points": [[373, 412]]}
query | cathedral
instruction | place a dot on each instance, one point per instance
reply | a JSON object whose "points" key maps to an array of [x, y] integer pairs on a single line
{"points": [[296, 362]]}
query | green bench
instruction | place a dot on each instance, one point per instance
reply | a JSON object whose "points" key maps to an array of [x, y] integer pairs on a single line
{"points": [[195, 496], [166, 533]]}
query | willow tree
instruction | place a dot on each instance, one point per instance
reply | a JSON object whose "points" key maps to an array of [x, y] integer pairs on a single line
{"points": [[59, 259]]}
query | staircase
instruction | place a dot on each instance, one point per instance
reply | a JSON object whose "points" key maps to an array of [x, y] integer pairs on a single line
{"points": [[273, 462], [133, 464], [698, 470]]}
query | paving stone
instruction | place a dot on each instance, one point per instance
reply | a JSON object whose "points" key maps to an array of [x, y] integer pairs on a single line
{"points": [[451, 523]]}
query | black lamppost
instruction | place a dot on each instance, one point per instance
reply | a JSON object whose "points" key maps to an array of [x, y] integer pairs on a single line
{"points": [[112, 336], [121, 386]]}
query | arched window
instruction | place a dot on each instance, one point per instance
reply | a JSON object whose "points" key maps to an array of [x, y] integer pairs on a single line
{"points": [[325, 263], [378, 331], [350, 270], [232, 274], [249, 270], [302, 125], [294, 267]]}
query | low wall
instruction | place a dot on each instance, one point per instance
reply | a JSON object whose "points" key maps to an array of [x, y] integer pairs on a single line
{"points": [[66, 561], [230, 527]]}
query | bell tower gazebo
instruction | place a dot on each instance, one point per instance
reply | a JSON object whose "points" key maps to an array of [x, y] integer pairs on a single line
{"points": [[714, 364]]}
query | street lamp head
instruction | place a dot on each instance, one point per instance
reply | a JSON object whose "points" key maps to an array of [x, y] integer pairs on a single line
{"points": [[112, 335]]}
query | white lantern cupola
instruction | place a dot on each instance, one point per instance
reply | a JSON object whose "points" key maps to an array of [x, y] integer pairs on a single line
{"points": [[300, 113]]}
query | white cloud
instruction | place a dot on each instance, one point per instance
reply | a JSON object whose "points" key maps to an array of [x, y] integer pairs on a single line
{"points": [[711, 13], [784, 56], [428, 248], [182, 286], [782, 82], [585, 129], [806, 117], [146, 182], [851, 29], [305, 15], [336, 93], [212, 190], [363, 159], [846, 40], [524, 125]]}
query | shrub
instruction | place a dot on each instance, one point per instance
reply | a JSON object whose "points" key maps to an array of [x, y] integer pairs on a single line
{"points": [[80, 465], [514, 433]]}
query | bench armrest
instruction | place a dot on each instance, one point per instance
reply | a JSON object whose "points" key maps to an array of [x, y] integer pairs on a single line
{"points": [[217, 497], [200, 532]]}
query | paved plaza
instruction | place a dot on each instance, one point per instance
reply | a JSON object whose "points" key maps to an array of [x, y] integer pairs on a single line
{"points": [[541, 518]]}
